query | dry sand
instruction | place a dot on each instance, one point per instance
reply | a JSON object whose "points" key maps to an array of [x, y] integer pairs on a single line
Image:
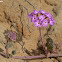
{"points": [[10, 13]]}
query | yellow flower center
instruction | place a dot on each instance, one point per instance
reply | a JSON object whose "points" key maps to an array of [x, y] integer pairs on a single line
{"points": [[34, 18], [38, 22], [45, 22]]}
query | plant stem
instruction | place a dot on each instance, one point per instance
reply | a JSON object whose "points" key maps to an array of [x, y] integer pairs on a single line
{"points": [[42, 42], [39, 56], [7, 49]]}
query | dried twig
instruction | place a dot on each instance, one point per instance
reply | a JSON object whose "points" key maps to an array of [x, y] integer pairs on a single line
{"points": [[12, 3], [4, 55], [28, 18], [23, 48], [32, 5], [20, 37], [21, 18], [17, 32]]}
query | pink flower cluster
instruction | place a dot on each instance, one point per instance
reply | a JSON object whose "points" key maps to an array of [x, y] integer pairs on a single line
{"points": [[41, 18], [12, 35]]}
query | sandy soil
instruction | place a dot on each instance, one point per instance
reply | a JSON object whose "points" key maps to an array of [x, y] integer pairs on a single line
{"points": [[13, 14]]}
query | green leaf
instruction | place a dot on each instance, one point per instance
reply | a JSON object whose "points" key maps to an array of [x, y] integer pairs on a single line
{"points": [[49, 40], [10, 45], [10, 55], [13, 41], [14, 52]]}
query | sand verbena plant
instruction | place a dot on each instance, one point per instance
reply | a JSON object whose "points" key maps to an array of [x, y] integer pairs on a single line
{"points": [[41, 18]]}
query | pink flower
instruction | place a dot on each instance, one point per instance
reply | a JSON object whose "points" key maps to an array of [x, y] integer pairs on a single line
{"points": [[12, 35], [42, 11], [48, 15], [51, 21], [37, 24], [41, 17], [45, 23], [33, 19], [35, 12], [31, 15]]}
